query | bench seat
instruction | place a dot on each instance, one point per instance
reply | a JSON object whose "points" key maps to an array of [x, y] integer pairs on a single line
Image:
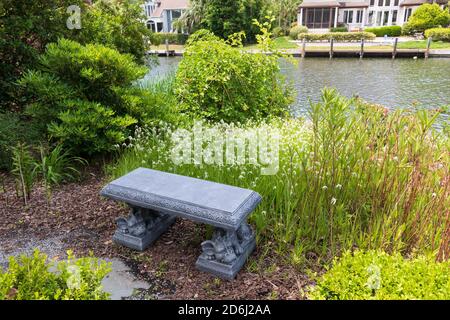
{"points": [[156, 198]]}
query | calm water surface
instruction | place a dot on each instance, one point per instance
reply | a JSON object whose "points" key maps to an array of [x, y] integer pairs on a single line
{"points": [[392, 83]]}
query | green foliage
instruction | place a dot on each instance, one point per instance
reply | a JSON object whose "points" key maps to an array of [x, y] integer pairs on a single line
{"points": [[277, 32], [85, 96], [56, 166], [201, 35], [425, 17], [390, 31], [284, 11], [438, 34], [337, 36], [22, 170], [116, 24], [14, 129], [29, 278], [375, 275], [355, 174], [339, 29], [295, 31], [174, 38], [26, 29], [216, 81], [226, 17]]}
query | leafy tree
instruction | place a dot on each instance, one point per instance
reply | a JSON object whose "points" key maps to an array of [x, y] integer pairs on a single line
{"points": [[285, 12], [427, 16]]}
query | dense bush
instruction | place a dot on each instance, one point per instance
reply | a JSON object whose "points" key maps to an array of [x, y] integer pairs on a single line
{"points": [[377, 275], [390, 31], [438, 34], [218, 82], [337, 36], [425, 17], [339, 29], [201, 35], [295, 31], [84, 95], [30, 278], [174, 38]]}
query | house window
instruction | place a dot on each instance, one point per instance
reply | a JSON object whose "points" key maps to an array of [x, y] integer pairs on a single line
{"points": [[379, 18], [370, 20], [372, 3], [359, 15], [395, 2], [151, 25], [348, 16], [380, 3], [408, 13], [387, 3], [385, 17], [394, 17], [318, 18]]}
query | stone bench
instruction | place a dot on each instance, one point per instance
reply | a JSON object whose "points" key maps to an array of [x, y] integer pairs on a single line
{"points": [[156, 198]]}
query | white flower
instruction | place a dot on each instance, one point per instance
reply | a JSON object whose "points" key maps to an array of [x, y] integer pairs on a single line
{"points": [[434, 194], [339, 186], [333, 201], [324, 188]]}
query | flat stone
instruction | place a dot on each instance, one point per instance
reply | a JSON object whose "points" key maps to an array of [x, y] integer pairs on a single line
{"points": [[202, 201]]}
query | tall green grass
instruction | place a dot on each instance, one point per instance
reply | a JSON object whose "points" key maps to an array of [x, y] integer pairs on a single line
{"points": [[351, 175]]}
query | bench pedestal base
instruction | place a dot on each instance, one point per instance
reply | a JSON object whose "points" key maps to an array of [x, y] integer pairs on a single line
{"points": [[141, 228], [227, 252]]}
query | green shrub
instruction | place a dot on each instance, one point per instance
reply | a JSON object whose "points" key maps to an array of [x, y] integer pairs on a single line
{"points": [[22, 170], [339, 29], [295, 31], [438, 34], [277, 32], [218, 82], [29, 278], [201, 35], [87, 98], [425, 17], [337, 36], [174, 38], [390, 31], [377, 275]]}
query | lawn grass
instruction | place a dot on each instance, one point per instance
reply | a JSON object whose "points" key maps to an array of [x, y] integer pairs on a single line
{"points": [[279, 44], [422, 44]]}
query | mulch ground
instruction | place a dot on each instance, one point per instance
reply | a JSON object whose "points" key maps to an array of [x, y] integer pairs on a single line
{"points": [[86, 222]]}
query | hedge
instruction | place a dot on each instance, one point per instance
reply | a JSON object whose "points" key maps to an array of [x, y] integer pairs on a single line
{"points": [[174, 38], [390, 31], [438, 34], [338, 36]]}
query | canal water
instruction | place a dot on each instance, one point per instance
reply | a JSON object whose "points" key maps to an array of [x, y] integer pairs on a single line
{"points": [[392, 83]]}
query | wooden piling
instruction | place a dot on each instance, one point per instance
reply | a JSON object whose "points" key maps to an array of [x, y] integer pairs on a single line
{"points": [[167, 47], [303, 47], [394, 50], [361, 52], [331, 47], [427, 51]]}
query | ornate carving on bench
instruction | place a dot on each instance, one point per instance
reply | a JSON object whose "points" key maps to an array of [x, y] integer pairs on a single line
{"points": [[227, 245]]}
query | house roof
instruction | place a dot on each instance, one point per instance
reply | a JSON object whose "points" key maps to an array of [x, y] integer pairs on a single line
{"points": [[162, 5], [334, 4]]}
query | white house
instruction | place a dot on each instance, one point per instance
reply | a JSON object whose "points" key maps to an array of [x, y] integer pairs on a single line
{"points": [[357, 14], [160, 14]]}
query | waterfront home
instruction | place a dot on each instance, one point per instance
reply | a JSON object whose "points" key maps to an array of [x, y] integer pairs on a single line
{"points": [[321, 15], [161, 14]]}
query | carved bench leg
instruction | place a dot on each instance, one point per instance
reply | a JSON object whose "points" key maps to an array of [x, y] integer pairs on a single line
{"points": [[141, 228], [226, 253]]}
